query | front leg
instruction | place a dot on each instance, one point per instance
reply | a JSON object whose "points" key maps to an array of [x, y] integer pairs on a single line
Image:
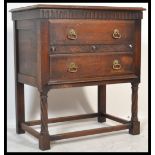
{"points": [[135, 124], [44, 141], [20, 107], [101, 103]]}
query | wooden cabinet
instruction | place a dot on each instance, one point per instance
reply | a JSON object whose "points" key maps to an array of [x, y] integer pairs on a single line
{"points": [[68, 46]]}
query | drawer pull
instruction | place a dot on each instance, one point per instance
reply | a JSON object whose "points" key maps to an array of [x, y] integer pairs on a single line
{"points": [[116, 34], [72, 67], [72, 34], [116, 65], [130, 45], [93, 47], [53, 49]]}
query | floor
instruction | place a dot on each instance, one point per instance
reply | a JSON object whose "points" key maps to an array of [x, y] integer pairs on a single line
{"points": [[119, 141]]}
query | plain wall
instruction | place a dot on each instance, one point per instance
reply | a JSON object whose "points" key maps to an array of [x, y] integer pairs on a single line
{"points": [[79, 100]]}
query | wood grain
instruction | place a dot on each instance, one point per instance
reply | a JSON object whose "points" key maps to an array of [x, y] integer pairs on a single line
{"points": [[63, 119], [89, 132], [135, 124], [19, 88], [26, 48], [89, 66], [44, 142], [88, 48], [91, 31], [30, 130], [43, 6]]}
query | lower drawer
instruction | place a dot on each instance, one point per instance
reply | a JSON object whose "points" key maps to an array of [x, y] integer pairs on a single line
{"points": [[67, 67]]}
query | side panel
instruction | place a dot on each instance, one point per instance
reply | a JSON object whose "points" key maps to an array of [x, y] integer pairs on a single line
{"points": [[26, 48]]}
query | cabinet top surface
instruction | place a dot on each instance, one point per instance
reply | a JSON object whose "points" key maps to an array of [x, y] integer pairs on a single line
{"points": [[40, 6]]}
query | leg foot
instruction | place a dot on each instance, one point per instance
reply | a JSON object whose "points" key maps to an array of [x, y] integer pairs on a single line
{"points": [[20, 131], [135, 128], [44, 142], [101, 119]]}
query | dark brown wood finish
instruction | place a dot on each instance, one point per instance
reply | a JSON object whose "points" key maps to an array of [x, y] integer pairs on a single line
{"points": [[42, 54], [26, 52], [89, 132], [43, 6], [135, 124], [19, 89], [44, 142], [91, 31], [117, 119], [77, 117], [30, 130], [27, 47], [63, 119], [137, 53], [76, 12], [73, 46], [101, 103], [88, 64], [20, 107], [92, 81], [90, 48]]}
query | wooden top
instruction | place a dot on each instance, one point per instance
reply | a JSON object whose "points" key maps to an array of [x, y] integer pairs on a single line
{"points": [[40, 6]]}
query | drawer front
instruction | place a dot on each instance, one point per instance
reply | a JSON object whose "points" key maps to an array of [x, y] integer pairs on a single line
{"points": [[80, 66], [91, 31]]}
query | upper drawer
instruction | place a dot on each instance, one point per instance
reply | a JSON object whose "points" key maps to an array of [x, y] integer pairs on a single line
{"points": [[91, 31]]}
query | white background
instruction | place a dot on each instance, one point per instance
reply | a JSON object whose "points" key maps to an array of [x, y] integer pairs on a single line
{"points": [[2, 80], [152, 77], [79, 100]]}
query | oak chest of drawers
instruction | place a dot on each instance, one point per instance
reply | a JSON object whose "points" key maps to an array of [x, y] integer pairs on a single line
{"points": [[69, 46]]}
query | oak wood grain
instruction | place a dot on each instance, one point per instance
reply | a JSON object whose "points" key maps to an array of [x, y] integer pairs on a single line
{"points": [[89, 66], [91, 31], [43, 6]]}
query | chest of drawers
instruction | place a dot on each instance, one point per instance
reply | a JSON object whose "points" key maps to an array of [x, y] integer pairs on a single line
{"points": [[70, 46]]}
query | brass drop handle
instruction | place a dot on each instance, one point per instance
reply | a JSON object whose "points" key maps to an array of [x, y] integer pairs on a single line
{"points": [[72, 34], [116, 65], [116, 34], [72, 67]]}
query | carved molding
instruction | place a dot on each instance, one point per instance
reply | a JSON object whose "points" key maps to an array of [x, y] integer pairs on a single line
{"points": [[44, 113], [75, 14], [88, 14]]}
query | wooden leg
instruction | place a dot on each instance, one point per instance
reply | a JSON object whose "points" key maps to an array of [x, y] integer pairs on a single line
{"points": [[101, 103], [20, 107], [135, 124], [44, 140]]}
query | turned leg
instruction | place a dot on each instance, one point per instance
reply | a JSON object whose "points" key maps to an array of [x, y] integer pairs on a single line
{"points": [[20, 108], [101, 103], [135, 124], [44, 141]]}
